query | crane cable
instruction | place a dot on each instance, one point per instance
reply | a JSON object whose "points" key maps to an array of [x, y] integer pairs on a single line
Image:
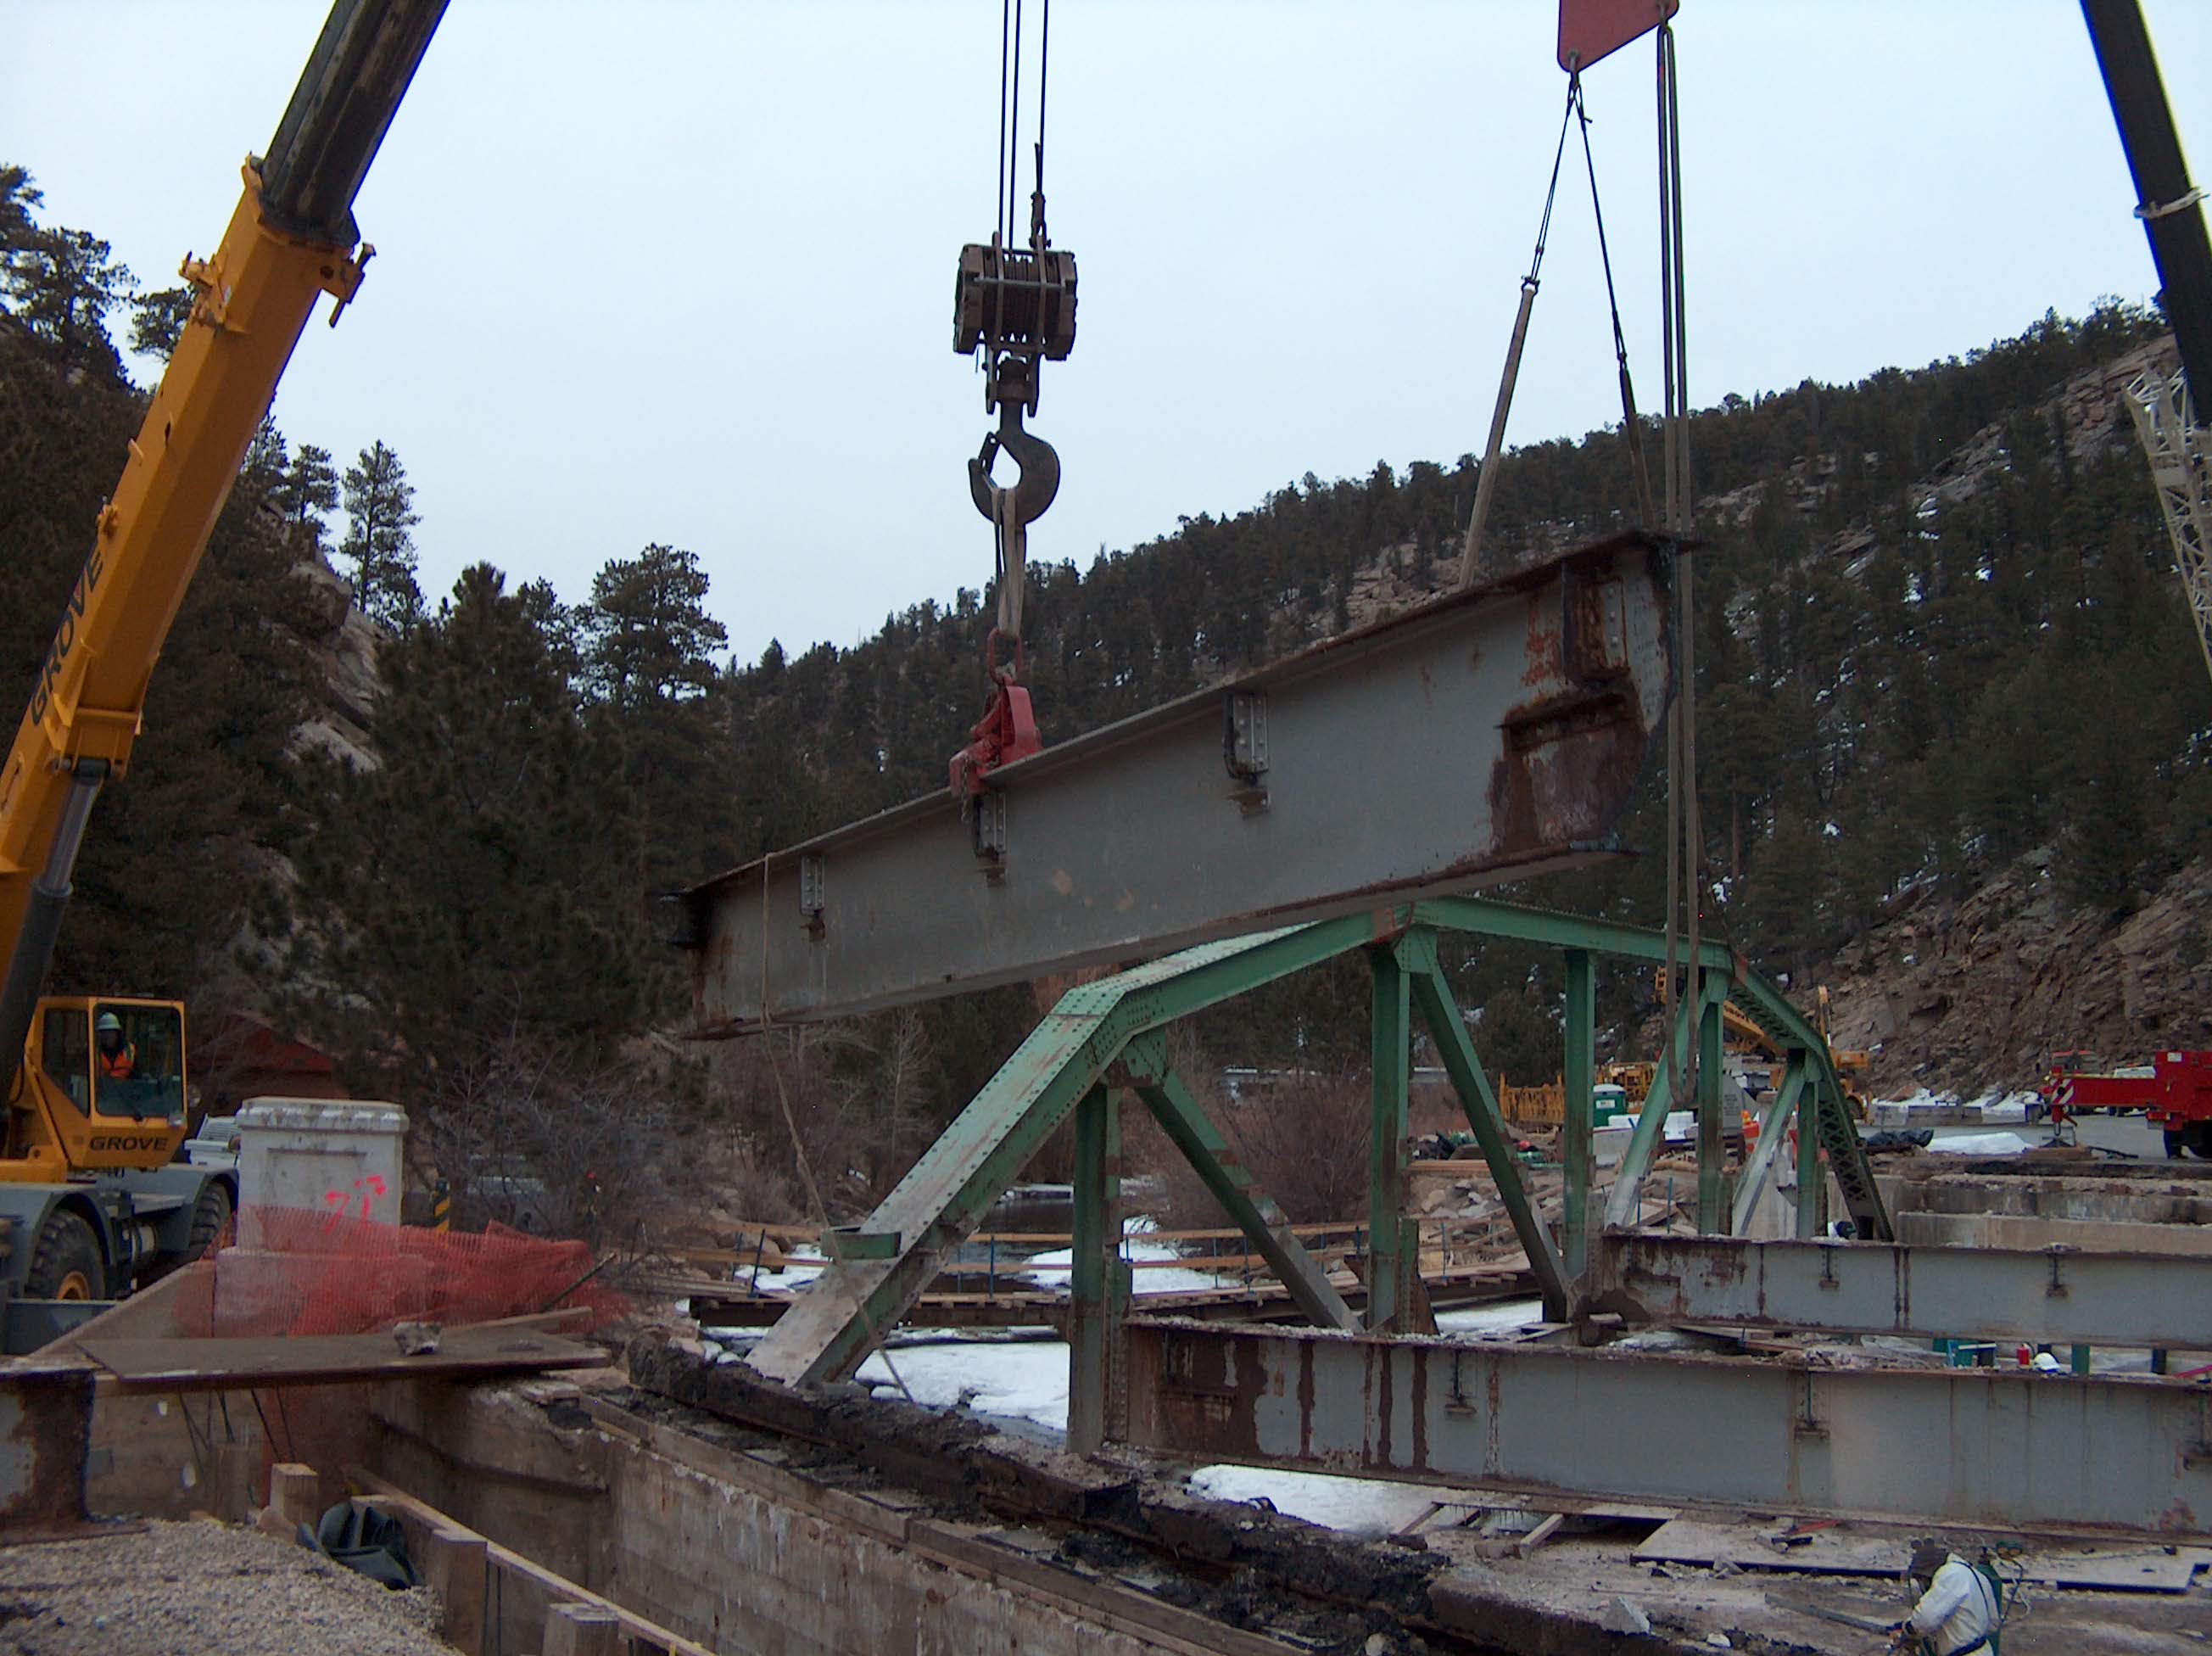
{"points": [[1632, 427], [1010, 570], [1686, 891], [1575, 114]]}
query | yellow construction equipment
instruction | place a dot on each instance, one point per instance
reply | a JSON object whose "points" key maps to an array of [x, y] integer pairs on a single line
{"points": [[85, 1176]]}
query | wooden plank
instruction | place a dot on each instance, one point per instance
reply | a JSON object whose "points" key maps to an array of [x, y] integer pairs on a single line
{"points": [[232, 1364], [391, 1498], [458, 1568], [581, 1630], [1536, 1537], [293, 1493], [1043, 1241]]}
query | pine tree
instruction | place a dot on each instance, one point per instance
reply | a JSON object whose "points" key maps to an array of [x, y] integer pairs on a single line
{"points": [[18, 196], [310, 488], [649, 638], [469, 891], [379, 505], [64, 284], [158, 319]]}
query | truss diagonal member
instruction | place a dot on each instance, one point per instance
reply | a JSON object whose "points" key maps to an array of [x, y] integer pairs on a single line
{"points": [[1417, 951], [1623, 1204], [1759, 1166], [1825, 1110], [944, 1197], [1252, 1209]]}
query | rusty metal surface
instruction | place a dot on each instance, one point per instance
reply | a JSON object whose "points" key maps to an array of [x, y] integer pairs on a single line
{"points": [[1591, 29], [1954, 1446], [1491, 736], [45, 1435], [2055, 1295]]}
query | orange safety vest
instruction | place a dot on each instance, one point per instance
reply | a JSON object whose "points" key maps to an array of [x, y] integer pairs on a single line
{"points": [[120, 1064]]}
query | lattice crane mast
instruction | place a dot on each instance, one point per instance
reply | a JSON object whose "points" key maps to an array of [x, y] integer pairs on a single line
{"points": [[2163, 405]]}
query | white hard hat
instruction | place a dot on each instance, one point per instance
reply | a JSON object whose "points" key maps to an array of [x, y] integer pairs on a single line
{"points": [[107, 1021], [2046, 1363]]}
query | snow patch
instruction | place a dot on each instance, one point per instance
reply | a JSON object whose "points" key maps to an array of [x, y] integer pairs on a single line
{"points": [[1357, 1506], [1980, 1144]]}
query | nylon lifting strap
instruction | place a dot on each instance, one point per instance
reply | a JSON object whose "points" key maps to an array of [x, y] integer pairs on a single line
{"points": [[1577, 113]]}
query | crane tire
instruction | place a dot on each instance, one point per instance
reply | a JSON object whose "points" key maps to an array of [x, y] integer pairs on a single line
{"points": [[211, 1216], [66, 1263]]}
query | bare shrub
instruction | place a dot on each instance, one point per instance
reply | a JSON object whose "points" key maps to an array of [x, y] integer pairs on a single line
{"points": [[839, 1107], [535, 1140], [1301, 1135]]}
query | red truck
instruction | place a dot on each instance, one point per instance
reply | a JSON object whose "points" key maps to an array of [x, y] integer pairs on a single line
{"points": [[2174, 1090]]}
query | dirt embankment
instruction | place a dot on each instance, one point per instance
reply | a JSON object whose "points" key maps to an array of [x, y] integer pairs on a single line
{"points": [[1969, 994]]}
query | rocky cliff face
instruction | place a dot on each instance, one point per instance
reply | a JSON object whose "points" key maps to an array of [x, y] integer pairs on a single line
{"points": [[1967, 995], [344, 643]]}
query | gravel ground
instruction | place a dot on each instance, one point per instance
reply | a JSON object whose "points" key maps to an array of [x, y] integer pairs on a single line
{"points": [[195, 1589]]}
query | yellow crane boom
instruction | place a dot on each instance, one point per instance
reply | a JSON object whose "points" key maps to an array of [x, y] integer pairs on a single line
{"points": [[292, 238]]}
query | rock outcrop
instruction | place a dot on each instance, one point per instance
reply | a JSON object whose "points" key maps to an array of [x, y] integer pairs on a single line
{"points": [[1968, 995]]}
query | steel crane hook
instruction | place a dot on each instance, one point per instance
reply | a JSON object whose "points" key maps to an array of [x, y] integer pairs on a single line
{"points": [[1039, 472]]}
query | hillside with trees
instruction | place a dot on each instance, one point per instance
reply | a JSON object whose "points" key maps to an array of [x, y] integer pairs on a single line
{"points": [[1939, 633]]}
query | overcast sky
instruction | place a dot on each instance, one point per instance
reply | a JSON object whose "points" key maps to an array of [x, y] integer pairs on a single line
{"points": [[682, 272]]}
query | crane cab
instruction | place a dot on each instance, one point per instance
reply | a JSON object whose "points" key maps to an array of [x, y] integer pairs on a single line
{"points": [[102, 1089]]}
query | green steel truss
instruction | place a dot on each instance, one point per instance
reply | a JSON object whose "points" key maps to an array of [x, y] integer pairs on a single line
{"points": [[1105, 1036]]}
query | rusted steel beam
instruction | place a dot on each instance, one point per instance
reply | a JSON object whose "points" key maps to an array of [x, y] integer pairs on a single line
{"points": [[1491, 736], [1962, 1446], [2059, 1296]]}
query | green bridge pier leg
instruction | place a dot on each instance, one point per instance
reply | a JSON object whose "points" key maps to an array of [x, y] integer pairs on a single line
{"points": [[1812, 1177], [1099, 1289], [1712, 1196], [1391, 1262], [1579, 1074]]}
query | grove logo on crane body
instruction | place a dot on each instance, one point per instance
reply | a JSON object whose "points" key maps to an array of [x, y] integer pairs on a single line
{"points": [[87, 579]]}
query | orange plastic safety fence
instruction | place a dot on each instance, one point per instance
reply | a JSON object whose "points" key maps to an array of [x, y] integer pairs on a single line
{"points": [[296, 1271]]}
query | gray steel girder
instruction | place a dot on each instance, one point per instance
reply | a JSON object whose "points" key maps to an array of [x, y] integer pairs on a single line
{"points": [[1491, 736], [2059, 1295], [1962, 1446]]}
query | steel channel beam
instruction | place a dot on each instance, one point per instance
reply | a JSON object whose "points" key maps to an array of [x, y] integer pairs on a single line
{"points": [[2055, 1295], [1489, 735], [1970, 1446]]}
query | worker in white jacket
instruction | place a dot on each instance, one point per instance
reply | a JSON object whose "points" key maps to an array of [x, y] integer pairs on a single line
{"points": [[1959, 1608]]}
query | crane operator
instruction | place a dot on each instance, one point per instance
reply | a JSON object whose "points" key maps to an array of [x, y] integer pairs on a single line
{"points": [[117, 1058]]}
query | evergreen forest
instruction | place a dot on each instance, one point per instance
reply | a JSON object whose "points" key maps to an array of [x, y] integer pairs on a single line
{"points": [[1938, 628]]}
